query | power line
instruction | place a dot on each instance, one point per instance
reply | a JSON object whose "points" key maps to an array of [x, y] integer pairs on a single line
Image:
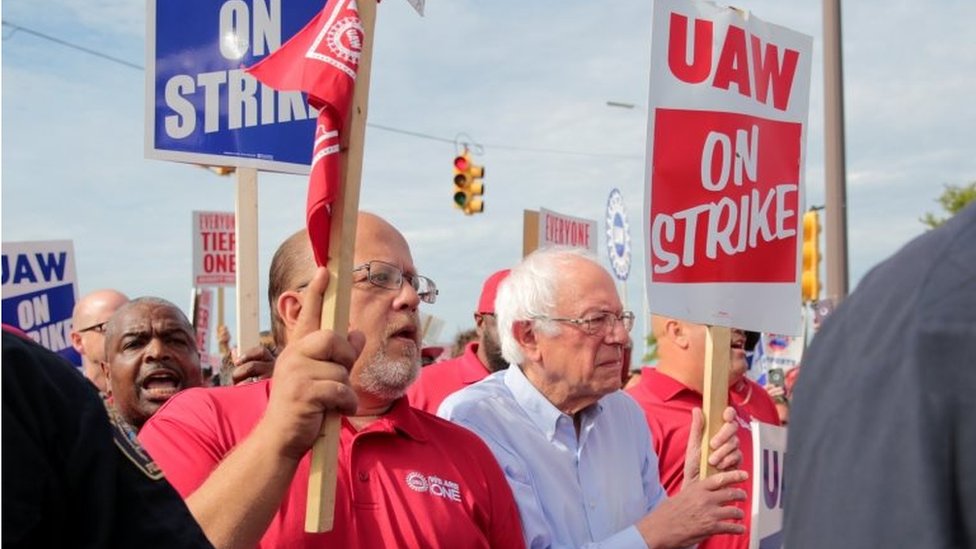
{"points": [[496, 146], [382, 127], [69, 45]]}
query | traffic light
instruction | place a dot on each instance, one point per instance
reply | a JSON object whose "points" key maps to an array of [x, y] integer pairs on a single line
{"points": [[810, 281], [468, 187]]}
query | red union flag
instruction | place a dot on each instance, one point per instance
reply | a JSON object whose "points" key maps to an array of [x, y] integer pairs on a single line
{"points": [[322, 60]]}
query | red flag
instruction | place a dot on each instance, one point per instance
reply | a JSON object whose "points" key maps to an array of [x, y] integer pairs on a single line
{"points": [[323, 185], [320, 60]]}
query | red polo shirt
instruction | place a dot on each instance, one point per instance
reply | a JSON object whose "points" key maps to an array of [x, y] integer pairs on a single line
{"points": [[440, 379], [754, 399], [409, 479], [667, 405]]}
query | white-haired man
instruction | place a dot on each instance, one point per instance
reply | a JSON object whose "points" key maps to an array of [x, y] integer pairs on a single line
{"points": [[575, 449]]}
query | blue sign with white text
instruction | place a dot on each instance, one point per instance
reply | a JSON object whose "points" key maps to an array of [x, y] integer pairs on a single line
{"points": [[200, 105], [39, 292]]}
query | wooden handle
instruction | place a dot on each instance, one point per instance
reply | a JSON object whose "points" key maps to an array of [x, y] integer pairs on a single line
{"points": [[320, 502], [718, 342]]}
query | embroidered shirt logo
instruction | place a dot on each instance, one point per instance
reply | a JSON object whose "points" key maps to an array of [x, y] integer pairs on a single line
{"points": [[417, 482], [434, 485], [125, 439]]}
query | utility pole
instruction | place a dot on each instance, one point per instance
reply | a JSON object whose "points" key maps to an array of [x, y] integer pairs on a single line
{"points": [[835, 234]]}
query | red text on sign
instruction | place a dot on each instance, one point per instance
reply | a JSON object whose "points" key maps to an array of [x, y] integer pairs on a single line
{"points": [[219, 263], [567, 232], [752, 67]]}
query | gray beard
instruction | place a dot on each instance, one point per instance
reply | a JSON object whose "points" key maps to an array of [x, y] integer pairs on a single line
{"points": [[388, 378]]}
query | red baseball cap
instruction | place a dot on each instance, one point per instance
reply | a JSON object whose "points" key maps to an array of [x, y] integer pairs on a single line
{"points": [[486, 304]]}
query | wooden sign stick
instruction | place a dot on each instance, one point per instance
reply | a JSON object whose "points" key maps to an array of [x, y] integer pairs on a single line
{"points": [[246, 229], [320, 503], [716, 390]]}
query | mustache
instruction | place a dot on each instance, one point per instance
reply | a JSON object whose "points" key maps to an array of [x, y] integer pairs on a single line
{"points": [[411, 323]]}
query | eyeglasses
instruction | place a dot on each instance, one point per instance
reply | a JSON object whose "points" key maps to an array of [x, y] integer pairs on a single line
{"points": [[597, 323], [97, 328], [390, 277]]}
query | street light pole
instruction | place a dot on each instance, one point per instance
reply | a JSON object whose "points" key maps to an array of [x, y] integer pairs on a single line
{"points": [[835, 235]]}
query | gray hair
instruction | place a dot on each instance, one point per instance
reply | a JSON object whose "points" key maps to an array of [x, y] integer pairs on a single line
{"points": [[530, 292]]}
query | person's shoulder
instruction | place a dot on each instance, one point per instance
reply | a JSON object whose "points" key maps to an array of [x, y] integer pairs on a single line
{"points": [[40, 379], [443, 429], [454, 438], [433, 376], [622, 404], [208, 403], [442, 368], [435, 382], [477, 398]]}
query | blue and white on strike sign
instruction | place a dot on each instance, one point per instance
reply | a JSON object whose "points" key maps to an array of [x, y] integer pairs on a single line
{"points": [[768, 485], [618, 235], [39, 292], [201, 107]]}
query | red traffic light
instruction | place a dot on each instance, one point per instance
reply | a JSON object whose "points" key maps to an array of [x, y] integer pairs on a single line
{"points": [[461, 163]]}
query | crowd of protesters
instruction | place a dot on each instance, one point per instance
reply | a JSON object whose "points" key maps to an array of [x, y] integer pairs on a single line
{"points": [[526, 438]]}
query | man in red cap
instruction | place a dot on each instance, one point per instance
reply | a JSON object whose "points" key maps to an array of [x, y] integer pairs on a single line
{"points": [[481, 357]]}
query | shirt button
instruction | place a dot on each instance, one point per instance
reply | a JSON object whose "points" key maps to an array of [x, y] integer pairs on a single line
{"points": [[364, 476]]}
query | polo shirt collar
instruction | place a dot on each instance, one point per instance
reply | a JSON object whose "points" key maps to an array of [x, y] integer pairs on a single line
{"points": [[663, 386], [471, 369], [401, 419], [542, 412]]}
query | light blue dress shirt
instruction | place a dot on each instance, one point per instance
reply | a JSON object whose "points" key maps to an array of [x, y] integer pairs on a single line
{"points": [[571, 492]]}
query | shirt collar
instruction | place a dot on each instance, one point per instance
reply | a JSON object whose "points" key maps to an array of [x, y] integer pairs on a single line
{"points": [[471, 369], [663, 386], [542, 412], [400, 419]]}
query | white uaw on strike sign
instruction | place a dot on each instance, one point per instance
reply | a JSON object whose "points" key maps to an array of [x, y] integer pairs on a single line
{"points": [[728, 110], [214, 249]]}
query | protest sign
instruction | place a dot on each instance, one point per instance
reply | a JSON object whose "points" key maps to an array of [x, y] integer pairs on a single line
{"points": [[618, 235], [200, 105], [768, 485], [214, 249], [776, 352], [724, 184], [39, 292], [202, 311], [557, 229]]}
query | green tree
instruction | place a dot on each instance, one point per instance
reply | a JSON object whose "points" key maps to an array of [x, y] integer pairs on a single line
{"points": [[953, 199], [650, 357]]}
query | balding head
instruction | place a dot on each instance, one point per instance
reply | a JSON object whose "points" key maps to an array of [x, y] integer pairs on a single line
{"points": [[681, 351], [292, 265], [88, 320], [151, 354]]}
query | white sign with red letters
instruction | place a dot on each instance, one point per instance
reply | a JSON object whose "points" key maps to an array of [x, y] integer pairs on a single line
{"points": [[214, 249], [724, 182], [556, 229], [202, 310]]}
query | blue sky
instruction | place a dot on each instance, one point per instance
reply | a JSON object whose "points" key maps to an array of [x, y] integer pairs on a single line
{"points": [[524, 79]]}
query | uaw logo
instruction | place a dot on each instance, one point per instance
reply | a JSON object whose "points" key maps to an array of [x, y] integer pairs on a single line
{"points": [[340, 42], [618, 235], [779, 342], [434, 486]]}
